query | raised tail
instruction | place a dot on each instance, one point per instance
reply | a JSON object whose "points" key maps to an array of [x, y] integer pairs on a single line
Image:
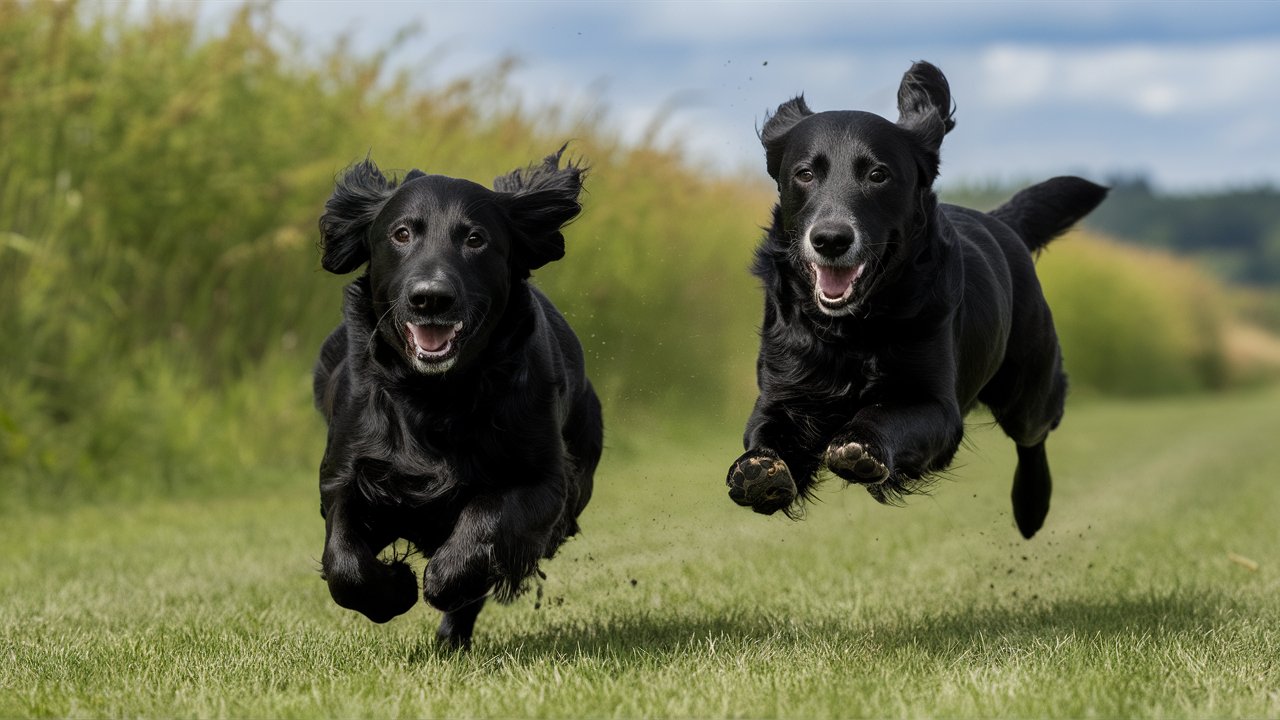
{"points": [[1046, 210]]}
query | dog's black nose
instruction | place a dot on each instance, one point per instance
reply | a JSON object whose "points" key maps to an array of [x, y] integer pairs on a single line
{"points": [[831, 240], [431, 297]]}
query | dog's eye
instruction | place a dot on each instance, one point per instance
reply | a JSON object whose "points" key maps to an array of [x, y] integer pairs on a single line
{"points": [[804, 175], [401, 235], [878, 176], [476, 240]]}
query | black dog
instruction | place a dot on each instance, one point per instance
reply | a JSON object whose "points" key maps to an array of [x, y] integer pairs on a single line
{"points": [[888, 315], [460, 416]]}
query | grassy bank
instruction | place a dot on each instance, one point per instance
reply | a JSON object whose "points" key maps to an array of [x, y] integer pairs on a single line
{"points": [[674, 602]]}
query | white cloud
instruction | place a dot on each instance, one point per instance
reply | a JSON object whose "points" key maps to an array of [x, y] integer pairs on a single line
{"points": [[1155, 80]]}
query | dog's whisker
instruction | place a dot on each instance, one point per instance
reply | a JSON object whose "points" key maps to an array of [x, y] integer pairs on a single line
{"points": [[376, 325]]}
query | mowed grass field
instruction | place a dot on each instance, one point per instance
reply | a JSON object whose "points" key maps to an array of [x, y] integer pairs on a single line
{"points": [[676, 603]]}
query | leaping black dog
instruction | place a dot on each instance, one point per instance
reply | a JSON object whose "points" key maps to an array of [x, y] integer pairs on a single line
{"points": [[460, 415], [888, 315]]}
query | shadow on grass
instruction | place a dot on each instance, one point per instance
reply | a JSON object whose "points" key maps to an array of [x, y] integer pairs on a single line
{"points": [[943, 635]]}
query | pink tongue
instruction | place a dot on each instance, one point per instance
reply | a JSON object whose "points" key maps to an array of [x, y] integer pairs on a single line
{"points": [[431, 338], [835, 281]]}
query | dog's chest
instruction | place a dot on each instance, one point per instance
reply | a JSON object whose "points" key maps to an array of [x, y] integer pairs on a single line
{"points": [[821, 373], [411, 481], [417, 461], [458, 451]]}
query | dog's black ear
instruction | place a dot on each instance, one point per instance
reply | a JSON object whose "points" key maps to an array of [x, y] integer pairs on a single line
{"points": [[414, 174], [540, 200], [924, 108], [776, 126], [359, 194]]}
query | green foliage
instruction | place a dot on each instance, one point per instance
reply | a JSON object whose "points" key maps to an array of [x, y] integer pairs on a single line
{"points": [[1133, 322], [674, 602]]}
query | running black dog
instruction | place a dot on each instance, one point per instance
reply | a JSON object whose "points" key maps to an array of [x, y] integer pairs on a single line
{"points": [[888, 316], [460, 415]]}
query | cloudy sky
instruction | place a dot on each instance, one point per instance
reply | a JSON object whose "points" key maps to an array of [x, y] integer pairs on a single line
{"points": [[1185, 92]]}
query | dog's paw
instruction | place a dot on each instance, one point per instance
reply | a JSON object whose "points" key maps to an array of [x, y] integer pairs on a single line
{"points": [[854, 462], [762, 483], [388, 590]]}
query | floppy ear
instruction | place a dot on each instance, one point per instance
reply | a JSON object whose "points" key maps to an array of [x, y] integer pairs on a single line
{"points": [[541, 199], [924, 108], [776, 126], [359, 194]]}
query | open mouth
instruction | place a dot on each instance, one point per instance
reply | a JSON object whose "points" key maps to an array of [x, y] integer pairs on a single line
{"points": [[432, 347], [833, 286]]}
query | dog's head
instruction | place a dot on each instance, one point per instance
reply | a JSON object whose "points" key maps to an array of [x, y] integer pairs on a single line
{"points": [[856, 189], [444, 253]]}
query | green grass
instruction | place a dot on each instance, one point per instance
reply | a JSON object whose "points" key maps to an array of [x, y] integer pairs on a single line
{"points": [[675, 603]]}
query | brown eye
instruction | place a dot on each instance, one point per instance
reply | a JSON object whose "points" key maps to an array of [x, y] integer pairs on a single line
{"points": [[401, 235], [878, 176], [804, 175], [476, 240]]}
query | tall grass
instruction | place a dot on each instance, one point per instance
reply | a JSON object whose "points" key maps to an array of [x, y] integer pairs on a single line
{"points": [[160, 292], [159, 190], [1132, 321]]}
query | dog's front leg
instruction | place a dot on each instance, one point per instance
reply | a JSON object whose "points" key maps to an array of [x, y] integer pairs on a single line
{"points": [[888, 445], [779, 462], [909, 423], [357, 579], [495, 544]]}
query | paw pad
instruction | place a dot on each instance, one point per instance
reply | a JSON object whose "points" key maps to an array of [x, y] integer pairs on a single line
{"points": [[855, 463], [762, 483]]}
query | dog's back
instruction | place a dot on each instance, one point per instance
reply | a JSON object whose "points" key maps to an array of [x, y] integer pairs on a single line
{"points": [[582, 420], [1027, 392], [328, 370]]}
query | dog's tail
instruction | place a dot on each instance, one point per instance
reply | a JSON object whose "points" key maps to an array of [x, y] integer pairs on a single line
{"points": [[1046, 210]]}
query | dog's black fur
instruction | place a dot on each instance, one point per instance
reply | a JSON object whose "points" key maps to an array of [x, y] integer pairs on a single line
{"points": [[888, 315], [460, 415]]}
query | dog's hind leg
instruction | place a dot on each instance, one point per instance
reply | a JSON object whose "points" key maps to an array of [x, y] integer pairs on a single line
{"points": [[1028, 405], [1032, 487], [457, 626]]}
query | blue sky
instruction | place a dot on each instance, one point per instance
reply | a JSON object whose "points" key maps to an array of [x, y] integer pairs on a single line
{"points": [[1186, 92]]}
